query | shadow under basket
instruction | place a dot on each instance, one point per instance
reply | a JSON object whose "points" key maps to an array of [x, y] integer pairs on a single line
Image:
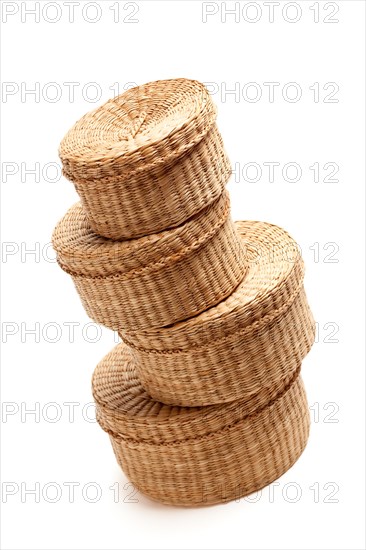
{"points": [[155, 280], [252, 339], [200, 455], [148, 159]]}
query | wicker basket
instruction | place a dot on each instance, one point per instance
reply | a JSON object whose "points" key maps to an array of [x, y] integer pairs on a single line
{"points": [[251, 340], [147, 160], [154, 280], [201, 455]]}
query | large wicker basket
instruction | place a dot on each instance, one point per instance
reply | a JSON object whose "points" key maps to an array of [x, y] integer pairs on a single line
{"points": [[202, 455], [154, 280], [253, 339], [148, 159]]}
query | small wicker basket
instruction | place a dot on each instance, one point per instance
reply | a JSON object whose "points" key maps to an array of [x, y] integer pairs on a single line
{"points": [[154, 280], [201, 455], [253, 339], [148, 159]]}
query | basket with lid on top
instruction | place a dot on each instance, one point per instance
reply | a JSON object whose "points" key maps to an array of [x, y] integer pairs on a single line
{"points": [[199, 455], [148, 159]]}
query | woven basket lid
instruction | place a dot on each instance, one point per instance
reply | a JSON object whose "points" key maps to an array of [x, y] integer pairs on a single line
{"points": [[125, 409], [275, 273], [147, 125], [81, 251]]}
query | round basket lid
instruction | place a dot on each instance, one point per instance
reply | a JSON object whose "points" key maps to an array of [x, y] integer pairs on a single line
{"points": [[144, 127]]}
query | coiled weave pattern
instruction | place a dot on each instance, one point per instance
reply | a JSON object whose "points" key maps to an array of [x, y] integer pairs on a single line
{"points": [[148, 159], [199, 455]]}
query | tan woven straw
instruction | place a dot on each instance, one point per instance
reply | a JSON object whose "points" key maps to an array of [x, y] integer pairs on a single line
{"points": [[154, 280], [253, 339], [199, 455], [148, 159]]}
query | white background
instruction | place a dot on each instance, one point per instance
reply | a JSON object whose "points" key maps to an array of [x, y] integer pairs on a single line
{"points": [[170, 40]]}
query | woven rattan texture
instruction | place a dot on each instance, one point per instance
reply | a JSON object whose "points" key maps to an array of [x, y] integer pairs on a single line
{"points": [[199, 455], [156, 280], [148, 159], [253, 339]]}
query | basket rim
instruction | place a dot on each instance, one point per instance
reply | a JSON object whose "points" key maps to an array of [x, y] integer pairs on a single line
{"points": [[241, 331], [84, 245]]}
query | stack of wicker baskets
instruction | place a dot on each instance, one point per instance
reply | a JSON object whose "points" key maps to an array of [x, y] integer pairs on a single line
{"points": [[203, 400]]}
